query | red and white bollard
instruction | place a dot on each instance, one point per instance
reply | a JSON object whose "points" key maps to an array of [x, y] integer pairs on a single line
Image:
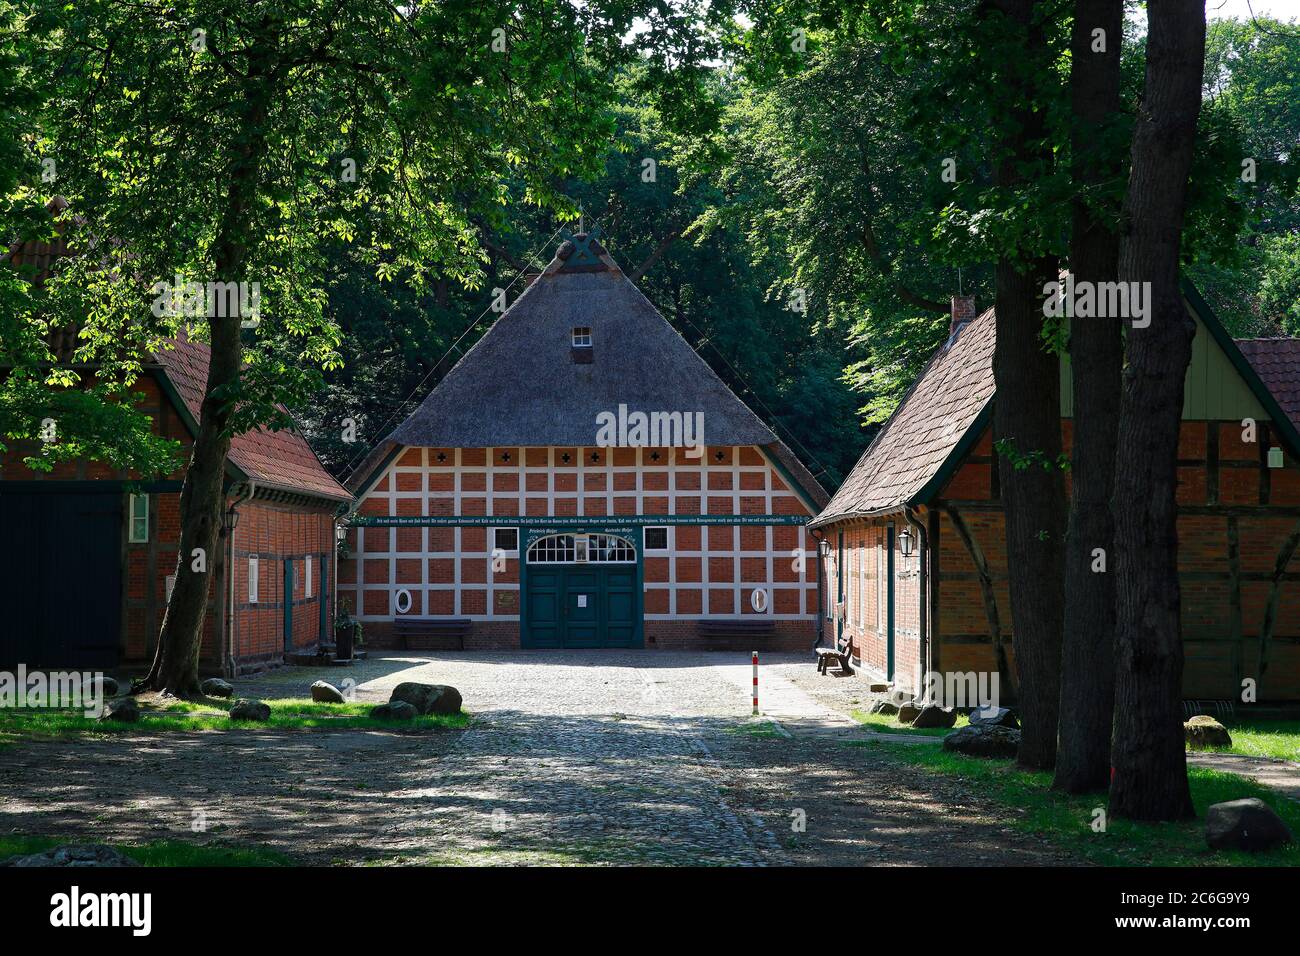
{"points": [[755, 683]]}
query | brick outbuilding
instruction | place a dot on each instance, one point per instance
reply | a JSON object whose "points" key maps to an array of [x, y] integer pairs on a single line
{"points": [[914, 553], [89, 552]]}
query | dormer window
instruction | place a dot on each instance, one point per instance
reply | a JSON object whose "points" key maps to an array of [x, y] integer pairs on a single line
{"points": [[582, 350]]}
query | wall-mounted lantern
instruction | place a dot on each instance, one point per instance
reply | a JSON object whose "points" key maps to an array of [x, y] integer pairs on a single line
{"points": [[906, 544], [229, 520]]}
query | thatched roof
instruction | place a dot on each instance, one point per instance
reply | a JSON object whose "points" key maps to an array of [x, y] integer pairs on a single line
{"points": [[520, 384]]}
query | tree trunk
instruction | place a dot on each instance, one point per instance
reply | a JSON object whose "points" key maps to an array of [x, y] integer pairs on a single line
{"points": [[1027, 416], [1150, 776], [175, 666], [1096, 361], [1027, 422]]}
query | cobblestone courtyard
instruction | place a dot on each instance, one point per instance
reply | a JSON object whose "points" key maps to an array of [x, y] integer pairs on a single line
{"points": [[574, 757]]}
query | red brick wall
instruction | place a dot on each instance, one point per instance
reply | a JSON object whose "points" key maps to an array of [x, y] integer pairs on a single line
{"points": [[1219, 653], [273, 532], [865, 616], [1215, 660], [706, 570], [276, 528]]}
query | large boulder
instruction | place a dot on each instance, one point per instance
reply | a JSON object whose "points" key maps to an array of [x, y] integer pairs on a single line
{"points": [[324, 692], [250, 710], [886, 707], [216, 687], [394, 710], [428, 698], [124, 711], [908, 712], [100, 686], [1204, 732], [1246, 824], [993, 717], [983, 740], [932, 715], [73, 855]]}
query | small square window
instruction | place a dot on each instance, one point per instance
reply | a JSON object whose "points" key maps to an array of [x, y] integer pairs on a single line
{"points": [[656, 539], [505, 539], [138, 532], [582, 337]]}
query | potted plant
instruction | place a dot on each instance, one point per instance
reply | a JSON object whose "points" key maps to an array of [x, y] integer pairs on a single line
{"points": [[347, 634]]}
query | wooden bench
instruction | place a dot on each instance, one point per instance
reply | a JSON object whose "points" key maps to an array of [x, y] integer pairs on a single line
{"points": [[735, 633], [826, 655], [424, 634]]}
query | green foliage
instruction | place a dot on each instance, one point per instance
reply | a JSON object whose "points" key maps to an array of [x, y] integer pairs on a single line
{"points": [[834, 199], [1034, 458], [261, 143], [1250, 124], [65, 425]]}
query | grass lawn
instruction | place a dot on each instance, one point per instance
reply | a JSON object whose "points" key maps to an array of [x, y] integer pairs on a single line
{"points": [[1279, 739], [157, 853], [1264, 738], [890, 725], [1032, 807], [174, 715]]}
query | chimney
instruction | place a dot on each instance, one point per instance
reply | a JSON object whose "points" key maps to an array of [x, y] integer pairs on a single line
{"points": [[963, 311]]}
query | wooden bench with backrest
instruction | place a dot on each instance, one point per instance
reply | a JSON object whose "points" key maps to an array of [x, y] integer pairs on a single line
{"points": [[827, 655], [425, 634]]}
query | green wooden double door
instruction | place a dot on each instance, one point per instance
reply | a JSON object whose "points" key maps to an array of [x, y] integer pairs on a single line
{"points": [[582, 606]]}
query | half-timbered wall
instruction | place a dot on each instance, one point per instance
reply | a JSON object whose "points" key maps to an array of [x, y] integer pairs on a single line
{"points": [[1239, 568], [705, 571]]}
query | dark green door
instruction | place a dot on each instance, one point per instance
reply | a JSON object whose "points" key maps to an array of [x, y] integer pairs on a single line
{"points": [[61, 579], [582, 606], [583, 596], [288, 605], [889, 602], [542, 623]]}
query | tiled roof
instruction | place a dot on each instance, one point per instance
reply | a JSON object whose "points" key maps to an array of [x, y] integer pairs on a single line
{"points": [[280, 459], [1277, 363], [925, 428]]}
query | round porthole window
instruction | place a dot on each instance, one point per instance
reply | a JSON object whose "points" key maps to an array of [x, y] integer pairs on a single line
{"points": [[758, 600], [402, 599]]}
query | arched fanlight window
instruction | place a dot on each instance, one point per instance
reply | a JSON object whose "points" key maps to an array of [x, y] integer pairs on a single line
{"points": [[581, 549]]}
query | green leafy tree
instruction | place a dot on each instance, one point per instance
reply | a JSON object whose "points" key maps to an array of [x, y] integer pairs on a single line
{"points": [[1250, 117], [216, 141]]}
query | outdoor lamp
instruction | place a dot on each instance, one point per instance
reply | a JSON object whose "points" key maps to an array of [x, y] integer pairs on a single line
{"points": [[340, 532], [905, 542], [230, 520]]}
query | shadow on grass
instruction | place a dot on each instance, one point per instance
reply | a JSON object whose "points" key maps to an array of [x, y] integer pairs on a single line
{"points": [[1068, 821]]}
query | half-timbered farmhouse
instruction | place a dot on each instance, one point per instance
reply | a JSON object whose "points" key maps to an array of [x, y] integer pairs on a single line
{"points": [[915, 560], [581, 478]]}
